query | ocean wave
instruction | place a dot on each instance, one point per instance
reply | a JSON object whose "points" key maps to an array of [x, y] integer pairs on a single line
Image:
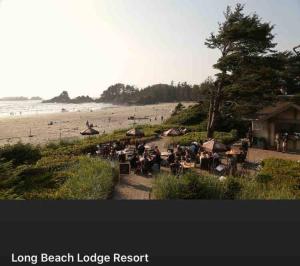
{"points": [[20, 108]]}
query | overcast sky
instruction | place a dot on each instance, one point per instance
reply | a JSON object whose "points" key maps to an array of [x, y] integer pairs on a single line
{"points": [[84, 46]]}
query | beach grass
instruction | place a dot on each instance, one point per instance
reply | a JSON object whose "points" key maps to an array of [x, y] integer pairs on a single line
{"points": [[89, 179], [277, 180]]}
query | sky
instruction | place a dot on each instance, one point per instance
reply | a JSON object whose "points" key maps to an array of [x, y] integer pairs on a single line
{"points": [[84, 46]]}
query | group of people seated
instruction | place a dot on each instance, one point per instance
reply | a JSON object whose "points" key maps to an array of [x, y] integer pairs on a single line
{"points": [[145, 161], [142, 160], [110, 149], [209, 160], [182, 154]]}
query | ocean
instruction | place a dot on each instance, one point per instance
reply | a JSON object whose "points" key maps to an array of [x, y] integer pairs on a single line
{"points": [[25, 108]]}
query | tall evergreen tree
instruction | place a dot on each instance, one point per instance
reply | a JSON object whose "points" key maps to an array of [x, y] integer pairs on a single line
{"points": [[242, 40]]}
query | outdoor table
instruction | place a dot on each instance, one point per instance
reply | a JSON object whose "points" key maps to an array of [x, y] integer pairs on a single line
{"points": [[165, 154], [186, 165]]}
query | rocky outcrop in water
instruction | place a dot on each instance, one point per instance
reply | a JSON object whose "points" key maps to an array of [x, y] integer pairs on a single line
{"points": [[65, 98]]}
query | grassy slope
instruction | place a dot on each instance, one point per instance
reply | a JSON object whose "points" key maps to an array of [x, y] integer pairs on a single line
{"points": [[58, 170]]}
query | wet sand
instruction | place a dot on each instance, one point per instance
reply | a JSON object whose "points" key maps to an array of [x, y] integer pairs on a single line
{"points": [[69, 125]]}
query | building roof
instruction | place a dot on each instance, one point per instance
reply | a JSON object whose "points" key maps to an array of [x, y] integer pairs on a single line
{"points": [[272, 110]]}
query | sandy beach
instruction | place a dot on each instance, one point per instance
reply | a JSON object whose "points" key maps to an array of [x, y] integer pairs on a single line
{"points": [[68, 125]]}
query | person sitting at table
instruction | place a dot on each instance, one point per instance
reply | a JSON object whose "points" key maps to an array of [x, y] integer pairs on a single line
{"points": [[157, 157], [133, 161], [187, 156], [113, 153], [122, 157], [141, 148], [202, 159], [175, 167], [179, 152], [205, 162], [146, 163], [216, 160], [157, 151], [171, 157], [209, 161], [194, 150], [136, 145], [232, 164]]}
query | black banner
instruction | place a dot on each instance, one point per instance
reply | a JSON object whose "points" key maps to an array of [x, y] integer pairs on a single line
{"points": [[169, 232]]}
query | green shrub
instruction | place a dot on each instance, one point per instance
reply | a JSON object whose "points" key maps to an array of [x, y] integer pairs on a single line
{"points": [[189, 116], [188, 186], [264, 178], [6, 169], [255, 190], [178, 108], [282, 173], [227, 124], [89, 179], [194, 186], [281, 169], [20, 153]]}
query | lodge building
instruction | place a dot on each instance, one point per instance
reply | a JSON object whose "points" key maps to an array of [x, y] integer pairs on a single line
{"points": [[283, 117]]}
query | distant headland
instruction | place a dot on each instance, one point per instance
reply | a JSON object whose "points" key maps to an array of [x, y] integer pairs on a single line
{"points": [[65, 98], [122, 94], [21, 98]]}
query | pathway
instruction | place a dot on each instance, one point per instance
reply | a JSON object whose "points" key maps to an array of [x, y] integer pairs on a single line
{"points": [[257, 155], [133, 187], [136, 187]]}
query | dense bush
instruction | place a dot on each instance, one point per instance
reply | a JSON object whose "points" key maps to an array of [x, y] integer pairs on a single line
{"points": [[282, 169], [20, 153], [188, 186], [89, 179], [5, 169], [191, 115], [80, 178], [228, 123], [282, 173], [194, 186]]}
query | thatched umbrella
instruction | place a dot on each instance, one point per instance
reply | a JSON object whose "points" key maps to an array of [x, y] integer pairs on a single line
{"points": [[214, 146], [173, 132], [135, 132], [89, 132]]}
